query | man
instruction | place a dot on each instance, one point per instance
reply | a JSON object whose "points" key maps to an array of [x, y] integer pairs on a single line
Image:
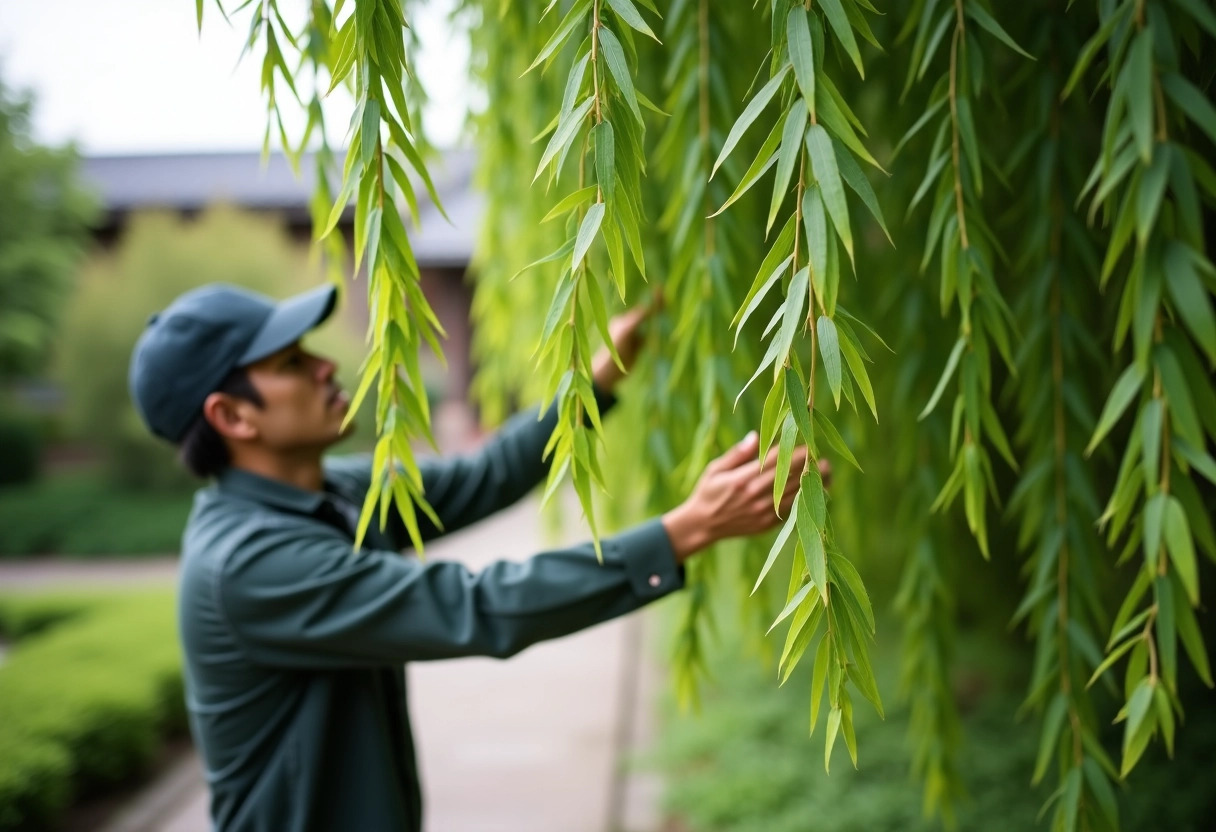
{"points": [[294, 641]]}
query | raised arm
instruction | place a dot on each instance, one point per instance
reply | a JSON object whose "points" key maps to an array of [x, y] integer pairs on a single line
{"points": [[295, 600], [296, 597]]}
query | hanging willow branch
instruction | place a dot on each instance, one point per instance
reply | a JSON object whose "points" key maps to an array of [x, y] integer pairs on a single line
{"points": [[1056, 497], [1066, 186], [815, 135], [1147, 178]]}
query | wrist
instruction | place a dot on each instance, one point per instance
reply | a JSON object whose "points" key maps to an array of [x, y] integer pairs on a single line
{"points": [[687, 531]]}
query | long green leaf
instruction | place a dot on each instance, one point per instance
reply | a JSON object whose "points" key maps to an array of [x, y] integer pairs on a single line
{"points": [[856, 179], [981, 16], [757, 294], [951, 364], [628, 12], [829, 348], [839, 22], [615, 56], [750, 114], [1120, 397], [586, 233], [605, 162], [787, 157], [798, 32], [834, 439], [823, 162], [776, 549], [812, 548], [1178, 543], [566, 131]]}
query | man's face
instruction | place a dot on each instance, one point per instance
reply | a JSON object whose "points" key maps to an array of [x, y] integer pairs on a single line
{"points": [[302, 405]]}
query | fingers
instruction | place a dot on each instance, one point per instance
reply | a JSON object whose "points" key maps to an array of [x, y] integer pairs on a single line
{"points": [[768, 471], [737, 455]]}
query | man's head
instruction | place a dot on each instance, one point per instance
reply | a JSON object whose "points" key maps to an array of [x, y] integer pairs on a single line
{"points": [[221, 374]]}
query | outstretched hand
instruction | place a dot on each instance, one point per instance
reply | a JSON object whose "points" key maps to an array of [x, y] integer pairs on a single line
{"points": [[734, 498]]}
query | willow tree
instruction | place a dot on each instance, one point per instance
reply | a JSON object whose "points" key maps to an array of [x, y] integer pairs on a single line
{"points": [[1018, 200]]}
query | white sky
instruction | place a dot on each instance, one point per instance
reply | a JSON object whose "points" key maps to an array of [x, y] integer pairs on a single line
{"points": [[126, 76]]}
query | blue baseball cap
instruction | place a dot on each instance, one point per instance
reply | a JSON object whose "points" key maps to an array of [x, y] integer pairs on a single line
{"points": [[187, 350]]}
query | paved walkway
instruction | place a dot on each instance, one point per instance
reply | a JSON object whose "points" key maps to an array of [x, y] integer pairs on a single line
{"points": [[533, 744]]}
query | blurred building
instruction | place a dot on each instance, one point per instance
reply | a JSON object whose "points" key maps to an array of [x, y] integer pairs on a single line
{"points": [[189, 182]]}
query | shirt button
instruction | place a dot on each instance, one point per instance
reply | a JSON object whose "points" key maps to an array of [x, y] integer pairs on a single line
{"points": [[655, 580]]}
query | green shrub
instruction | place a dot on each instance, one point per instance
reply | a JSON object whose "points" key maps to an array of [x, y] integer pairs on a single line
{"points": [[20, 448], [85, 701], [82, 514]]}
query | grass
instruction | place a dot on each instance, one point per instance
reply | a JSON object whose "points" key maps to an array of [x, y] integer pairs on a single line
{"points": [[88, 692], [80, 514]]}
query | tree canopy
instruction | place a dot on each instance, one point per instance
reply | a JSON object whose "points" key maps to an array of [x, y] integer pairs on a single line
{"points": [[44, 225]]}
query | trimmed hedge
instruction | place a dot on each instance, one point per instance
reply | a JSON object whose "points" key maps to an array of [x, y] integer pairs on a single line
{"points": [[87, 693], [82, 514], [20, 448]]}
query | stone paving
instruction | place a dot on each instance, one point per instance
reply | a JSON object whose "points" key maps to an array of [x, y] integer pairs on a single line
{"points": [[532, 744]]}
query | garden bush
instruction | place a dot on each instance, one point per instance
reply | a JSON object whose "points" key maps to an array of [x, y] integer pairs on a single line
{"points": [[83, 514], [20, 448], [89, 690]]}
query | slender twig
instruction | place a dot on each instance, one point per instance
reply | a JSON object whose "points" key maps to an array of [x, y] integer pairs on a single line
{"points": [[959, 31]]}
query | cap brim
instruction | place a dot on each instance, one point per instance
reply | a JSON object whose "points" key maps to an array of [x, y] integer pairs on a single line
{"points": [[289, 322]]}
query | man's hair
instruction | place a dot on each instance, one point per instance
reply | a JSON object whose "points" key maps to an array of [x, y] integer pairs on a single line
{"points": [[202, 449]]}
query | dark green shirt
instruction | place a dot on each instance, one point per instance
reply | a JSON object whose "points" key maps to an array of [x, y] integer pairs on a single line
{"points": [[295, 643]]}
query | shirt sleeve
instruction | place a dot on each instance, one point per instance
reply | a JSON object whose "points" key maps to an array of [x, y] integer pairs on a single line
{"points": [[296, 598], [465, 488]]}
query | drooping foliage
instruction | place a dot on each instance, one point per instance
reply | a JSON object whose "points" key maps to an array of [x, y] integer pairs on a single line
{"points": [[1017, 198]]}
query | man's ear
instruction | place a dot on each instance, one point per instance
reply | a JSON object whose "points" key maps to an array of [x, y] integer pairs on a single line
{"points": [[226, 414]]}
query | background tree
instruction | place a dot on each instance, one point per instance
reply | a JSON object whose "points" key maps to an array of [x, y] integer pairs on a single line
{"points": [[1042, 172], [44, 219], [44, 226]]}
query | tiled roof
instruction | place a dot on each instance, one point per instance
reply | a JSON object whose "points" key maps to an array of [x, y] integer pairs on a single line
{"points": [[190, 181]]}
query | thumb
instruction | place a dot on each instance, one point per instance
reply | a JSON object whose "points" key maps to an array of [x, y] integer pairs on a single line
{"points": [[741, 452]]}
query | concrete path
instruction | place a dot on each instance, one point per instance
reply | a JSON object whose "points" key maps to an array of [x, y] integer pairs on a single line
{"points": [[533, 744]]}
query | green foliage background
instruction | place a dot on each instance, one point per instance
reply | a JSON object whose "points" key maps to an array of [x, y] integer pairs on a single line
{"points": [[44, 219], [1017, 199]]}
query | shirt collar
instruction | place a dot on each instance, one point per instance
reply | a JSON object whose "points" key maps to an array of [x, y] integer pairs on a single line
{"points": [[274, 493]]}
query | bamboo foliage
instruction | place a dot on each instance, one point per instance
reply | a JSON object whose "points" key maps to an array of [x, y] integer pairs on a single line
{"points": [[1051, 281]]}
